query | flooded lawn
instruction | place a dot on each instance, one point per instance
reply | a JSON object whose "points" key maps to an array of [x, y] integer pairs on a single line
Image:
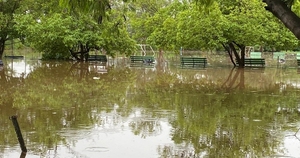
{"points": [[86, 110]]}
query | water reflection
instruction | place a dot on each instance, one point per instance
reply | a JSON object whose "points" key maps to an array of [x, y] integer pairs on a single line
{"points": [[164, 111]]}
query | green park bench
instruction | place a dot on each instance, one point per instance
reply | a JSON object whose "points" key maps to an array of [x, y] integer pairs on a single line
{"points": [[14, 56], [253, 62], [193, 61], [101, 58], [298, 59], [143, 59], [136, 59]]}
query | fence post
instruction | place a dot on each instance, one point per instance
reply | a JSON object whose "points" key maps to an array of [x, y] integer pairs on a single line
{"points": [[18, 132]]}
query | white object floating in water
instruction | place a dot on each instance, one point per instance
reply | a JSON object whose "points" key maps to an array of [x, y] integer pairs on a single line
{"points": [[256, 120], [96, 78]]}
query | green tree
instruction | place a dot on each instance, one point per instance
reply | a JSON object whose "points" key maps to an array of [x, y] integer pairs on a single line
{"points": [[236, 24], [60, 35], [196, 31], [7, 32], [166, 21], [281, 9], [143, 19], [249, 25]]}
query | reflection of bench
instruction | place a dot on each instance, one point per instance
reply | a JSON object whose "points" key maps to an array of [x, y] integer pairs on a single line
{"points": [[143, 59], [253, 62], [101, 58], [98, 67], [193, 61]]}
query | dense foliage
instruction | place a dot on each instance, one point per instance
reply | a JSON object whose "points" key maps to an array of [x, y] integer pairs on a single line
{"points": [[59, 33], [64, 29], [7, 32]]}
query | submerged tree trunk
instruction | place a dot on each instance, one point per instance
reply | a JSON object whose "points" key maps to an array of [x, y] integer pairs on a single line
{"points": [[284, 13], [80, 53], [240, 58], [231, 49]]}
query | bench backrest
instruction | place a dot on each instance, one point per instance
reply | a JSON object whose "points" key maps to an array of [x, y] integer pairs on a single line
{"points": [[278, 55], [136, 58], [193, 59], [98, 57], [255, 54], [148, 57], [141, 58], [253, 61]]}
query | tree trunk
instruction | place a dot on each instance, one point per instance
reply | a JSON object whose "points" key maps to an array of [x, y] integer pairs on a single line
{"points": [[80, 52], [280, 10], [239, 57], [231, 49], [2, 47]]}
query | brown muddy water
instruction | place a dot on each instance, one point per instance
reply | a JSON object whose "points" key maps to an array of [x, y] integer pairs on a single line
{"points": [[87, 110]]}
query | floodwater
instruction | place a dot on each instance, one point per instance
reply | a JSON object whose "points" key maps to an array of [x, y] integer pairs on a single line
{"points": [[87, 110]]}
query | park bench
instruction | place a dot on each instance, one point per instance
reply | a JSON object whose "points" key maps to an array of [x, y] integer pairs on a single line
{"points": [[14, 56], [101, 58], [193, 61], [298, 59], [253, 62], [142, 59]]}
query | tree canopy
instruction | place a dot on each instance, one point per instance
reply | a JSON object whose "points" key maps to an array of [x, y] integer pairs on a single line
{"points": [[59, 34], [59, 28]]}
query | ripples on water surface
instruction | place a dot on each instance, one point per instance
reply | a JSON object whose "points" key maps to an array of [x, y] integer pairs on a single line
{"points": [[80, 110]]}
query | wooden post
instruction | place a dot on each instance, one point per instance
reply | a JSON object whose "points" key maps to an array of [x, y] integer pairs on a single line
{"points": [[23, 155], [18, 132]]}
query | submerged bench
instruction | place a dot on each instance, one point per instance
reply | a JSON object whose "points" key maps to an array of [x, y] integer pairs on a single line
{"points": [[14, 56], [142, 59], [101, 58], [253, 62], [193, 61]]}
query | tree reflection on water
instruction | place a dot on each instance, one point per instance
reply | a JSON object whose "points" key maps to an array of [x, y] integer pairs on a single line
{"points": [[212, 112]]}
